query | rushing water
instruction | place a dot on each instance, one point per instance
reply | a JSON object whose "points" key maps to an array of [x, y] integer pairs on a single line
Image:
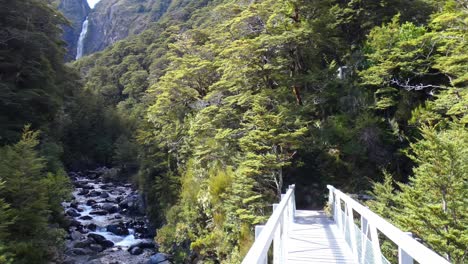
{"points": [[106, 222], [84, 30]]}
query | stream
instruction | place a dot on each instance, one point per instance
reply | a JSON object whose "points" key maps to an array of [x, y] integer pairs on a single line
{"points": [[107, 223]]}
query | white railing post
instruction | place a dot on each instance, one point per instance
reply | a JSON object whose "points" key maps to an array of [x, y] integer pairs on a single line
{"points": [[352, 233], [293, 200], [403, 257], [365, 236], [258, 231], [285, 220], [277, 241]]}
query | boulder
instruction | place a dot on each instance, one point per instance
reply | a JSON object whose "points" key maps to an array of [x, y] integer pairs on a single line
{"points": [[74, 204], [118, 229], [72, 212], [90, 202], [73, 222], [75, 235], [135, 251], [159, 258], [107, 244], [83, 192], [101, 240], [86, 217], [144, 244], [80, 251], [96, 247], [104, 195], [84, 243], [91, 227], [134, 203], [98, 212], [94, 193], [111, 208], [98, 238], [111, 200]]}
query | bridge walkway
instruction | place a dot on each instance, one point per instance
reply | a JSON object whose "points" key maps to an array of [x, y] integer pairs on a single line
{"points": [[315, 238], [351, 235]]}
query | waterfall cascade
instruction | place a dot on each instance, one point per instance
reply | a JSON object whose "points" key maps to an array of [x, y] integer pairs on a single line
{"points": [[84, 30]]}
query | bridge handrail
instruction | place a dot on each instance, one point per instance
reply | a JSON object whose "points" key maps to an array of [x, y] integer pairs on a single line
{"points": [[279, 219], [410, 246]]}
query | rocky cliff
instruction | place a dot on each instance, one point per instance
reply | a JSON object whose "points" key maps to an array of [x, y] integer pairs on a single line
{"points": [[76, 12], [113, 20]]}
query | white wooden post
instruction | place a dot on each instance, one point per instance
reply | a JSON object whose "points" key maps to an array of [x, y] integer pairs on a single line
{"points": [[258, 230], [352, 232], [285, 220], [403, 257], [365, 233], [277, 241]]}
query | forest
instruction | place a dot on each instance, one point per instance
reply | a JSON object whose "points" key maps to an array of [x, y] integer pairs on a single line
{"points": [[221, 104]]}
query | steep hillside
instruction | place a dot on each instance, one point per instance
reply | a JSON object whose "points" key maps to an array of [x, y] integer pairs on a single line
{"points": [[113, 20]]}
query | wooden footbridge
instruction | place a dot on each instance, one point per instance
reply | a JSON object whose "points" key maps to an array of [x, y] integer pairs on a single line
{"points": [[350, 235]]}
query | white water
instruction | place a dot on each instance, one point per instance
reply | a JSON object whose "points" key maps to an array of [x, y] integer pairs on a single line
{"points": [[92, 3], [84, 30], [120, 241]]}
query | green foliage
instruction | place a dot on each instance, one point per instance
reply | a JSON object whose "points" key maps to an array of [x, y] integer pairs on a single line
{"points": [[433, 201], [34, 79], [33, 197], [223, 103]]}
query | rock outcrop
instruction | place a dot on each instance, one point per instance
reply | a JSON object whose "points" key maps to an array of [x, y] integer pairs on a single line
{"points": [[113, 20], [76, 12]]}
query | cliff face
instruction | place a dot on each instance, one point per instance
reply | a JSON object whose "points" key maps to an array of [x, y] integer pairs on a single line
{"points": [[113, 20], [76, 11]]}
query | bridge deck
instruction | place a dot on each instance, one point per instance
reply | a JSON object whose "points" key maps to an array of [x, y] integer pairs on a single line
{"points": [[315, 238]]}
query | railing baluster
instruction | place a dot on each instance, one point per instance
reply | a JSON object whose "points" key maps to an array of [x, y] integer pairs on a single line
{"points": [[258, 230], [365, 232], [403, 257], [409, 249], [352, 233]]}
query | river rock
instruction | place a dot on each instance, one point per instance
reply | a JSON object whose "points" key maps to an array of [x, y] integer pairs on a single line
{"points": [[96, 247], [84, 243], [90, 202], [104, 195], [75, 235], [83, 192], [159, 258], [134, 203], [80, 251], [86, 217], [101, 240], [111, 208], [94, 193], [144, 244], [91, 227], [135, 251], [98, 212], [118, 229], [73, 223], [72, 212], [74, 205]]}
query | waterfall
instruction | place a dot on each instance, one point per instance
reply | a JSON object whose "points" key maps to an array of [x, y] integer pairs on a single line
{"points": [[84, 30]]}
